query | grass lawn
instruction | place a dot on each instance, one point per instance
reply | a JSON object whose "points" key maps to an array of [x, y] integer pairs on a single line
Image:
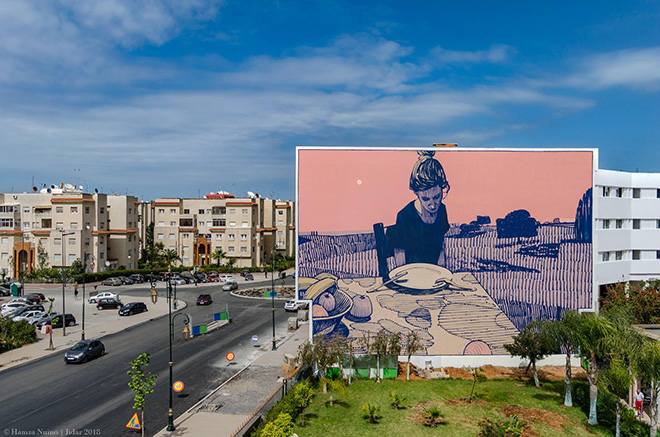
{"points": [[542, 409]]}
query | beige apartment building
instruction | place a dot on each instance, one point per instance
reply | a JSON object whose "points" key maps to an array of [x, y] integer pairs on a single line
{"points": [[56, 226], [247, 230]]}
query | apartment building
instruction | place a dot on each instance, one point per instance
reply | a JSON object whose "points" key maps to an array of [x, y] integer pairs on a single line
{"points": [[56, 226], [627, 226], [247, 230]]}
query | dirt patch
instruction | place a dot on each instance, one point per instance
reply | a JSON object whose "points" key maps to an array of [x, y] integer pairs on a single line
{"points": [[401, 374], [418, 412], [529, 415], [466, 402], [550, 373]]}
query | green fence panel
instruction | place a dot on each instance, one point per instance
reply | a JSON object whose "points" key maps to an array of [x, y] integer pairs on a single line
{"points": [[389, 373], [362, 373]]}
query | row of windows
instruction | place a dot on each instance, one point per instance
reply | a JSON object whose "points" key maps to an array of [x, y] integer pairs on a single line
{"points": [[635, 255], [635, 193], [625, 224], [188, 222], [216, 210], [230, 237], [230, 249]]}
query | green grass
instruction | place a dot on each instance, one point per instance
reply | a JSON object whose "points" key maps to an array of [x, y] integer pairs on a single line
{"points": [[459, 417]]}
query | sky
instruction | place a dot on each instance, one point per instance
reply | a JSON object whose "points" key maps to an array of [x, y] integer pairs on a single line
{"points": [[179, 99]]}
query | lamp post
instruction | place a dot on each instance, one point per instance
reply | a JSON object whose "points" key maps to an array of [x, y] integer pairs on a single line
{"points": [[272, 290], [186, 336], [64, 234]]}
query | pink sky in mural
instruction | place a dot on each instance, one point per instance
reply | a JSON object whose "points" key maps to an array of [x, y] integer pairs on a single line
{"points": [[341, 190]]}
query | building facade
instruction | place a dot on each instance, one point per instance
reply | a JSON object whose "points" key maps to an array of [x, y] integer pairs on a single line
{"points": [[55, 227]]}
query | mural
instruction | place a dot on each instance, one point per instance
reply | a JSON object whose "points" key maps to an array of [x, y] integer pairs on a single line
{"points": [[463, 246]]}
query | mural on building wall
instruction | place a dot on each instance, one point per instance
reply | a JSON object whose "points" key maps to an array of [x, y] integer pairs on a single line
{"points": [[463, 246]]}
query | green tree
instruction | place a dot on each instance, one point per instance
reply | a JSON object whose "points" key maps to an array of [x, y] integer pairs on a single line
{"points": [[647, 367], [170, 257], [397, 400], [413, 344], [379, 347], [321, 354], [370, 412], [303, 395], [432, 416], [477, 377], [617, 380], [218, 255], [533, 344], [280, 427], [141, 383], [42, 256]]}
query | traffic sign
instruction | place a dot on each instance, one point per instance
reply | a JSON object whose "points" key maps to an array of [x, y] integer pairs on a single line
{"points": [[255, 339], [134, 423], [230, 356], [178, 386]]}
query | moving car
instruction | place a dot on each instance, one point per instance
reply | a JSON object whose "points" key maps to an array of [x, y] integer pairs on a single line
{"points": [[249, 277], [230, 285], [133, 308], [108, 303], [111, 281], [84, 351], [292, 305], [204, 299], [103, 295]]}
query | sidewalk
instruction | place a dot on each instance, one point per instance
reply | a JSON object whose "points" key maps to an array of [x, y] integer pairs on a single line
{"points": [[228, 408]]}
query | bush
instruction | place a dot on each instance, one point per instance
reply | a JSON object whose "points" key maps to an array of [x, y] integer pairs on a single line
{"points": [[289, 405], [511, 427], [432, 416], [370, 412], [606, 410], [15, 334], [282, 426]]}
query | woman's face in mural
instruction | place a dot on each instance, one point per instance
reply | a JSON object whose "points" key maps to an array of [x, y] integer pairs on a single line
{"points": [[430, 199]]}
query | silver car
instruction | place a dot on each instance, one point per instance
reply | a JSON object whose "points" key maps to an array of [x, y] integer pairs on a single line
{"points": [[230, 285]]}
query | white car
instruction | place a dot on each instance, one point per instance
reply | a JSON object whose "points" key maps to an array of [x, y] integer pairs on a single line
{"points": [[230, 285], [103, 295], [177, 281], [292, 305], [19, 300], [225, 278], [9, 308], [27, 315]]}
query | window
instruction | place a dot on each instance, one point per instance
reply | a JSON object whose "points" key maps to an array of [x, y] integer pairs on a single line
{"points": [[232, 211], [101, 255], [5, 240], [606, 224], [130, 252], [244, 224], [86, 242], [186, 211], [243, 249], [5, 255], [232, 224], [87, 210], [161, 223], [201, 224], [102, 226], [26, 209], [657, 193], [186, 236], [619, 192], [172, 210], [280, 222], [618, 255], [606, 191], [74, 210], [101, 240], [220, 222], [130, 210], [280, 233], [220, 210], [26, 225], [172, 223], [657, 254], [160, 236], [200, 211], [243, 237], [636, 254], [208, 211], [231, 237], [280, 212], [636, 223], [72, 257], [619, 224], [57, 257], [657, 224], [186, 248], [74, 225], [130, 238], [59, 225], [185, 222], [230, 249], [171, 236], [6, 223], [172, 248], [244, 211], [637, 193], [161, 210], [606, 256], [59, 209], [101, 210], [4, 208], [218, 236], [88, 225], [57, 241]]}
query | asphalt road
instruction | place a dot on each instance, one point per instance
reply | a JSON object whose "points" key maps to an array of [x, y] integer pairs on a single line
{"points": [[49, 396]]}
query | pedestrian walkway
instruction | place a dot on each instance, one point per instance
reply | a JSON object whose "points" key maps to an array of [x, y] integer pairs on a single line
{"points": [[232, 405]]}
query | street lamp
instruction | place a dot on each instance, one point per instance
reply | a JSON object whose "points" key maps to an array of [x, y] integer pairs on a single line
{"points": [[64, 234], [82, 333], [272, 290], [186, 336]]}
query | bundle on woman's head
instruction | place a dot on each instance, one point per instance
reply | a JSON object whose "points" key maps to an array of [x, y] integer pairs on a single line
{"points": [[427, 173]]}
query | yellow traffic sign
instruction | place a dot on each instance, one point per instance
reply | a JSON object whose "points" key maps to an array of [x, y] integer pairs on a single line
{"points": [[134, 423]]}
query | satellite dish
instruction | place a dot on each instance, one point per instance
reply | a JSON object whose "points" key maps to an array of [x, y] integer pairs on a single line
{"points": [[251, 194], [107, 263], [35, 189], [49, 190], [96, 190], [80, 187]]}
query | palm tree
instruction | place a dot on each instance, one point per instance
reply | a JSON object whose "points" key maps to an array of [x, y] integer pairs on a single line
{"points": [[647, 367], [170, 257], [218, 255]]}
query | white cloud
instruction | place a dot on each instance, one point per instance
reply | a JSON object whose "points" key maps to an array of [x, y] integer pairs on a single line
{"points": [[496, 54], [636, 68]]}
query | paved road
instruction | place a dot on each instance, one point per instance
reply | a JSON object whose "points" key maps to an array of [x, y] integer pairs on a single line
{"points": [[52, 396]]}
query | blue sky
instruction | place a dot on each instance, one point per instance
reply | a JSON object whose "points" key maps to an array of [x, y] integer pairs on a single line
{"points": [[171, 98]]}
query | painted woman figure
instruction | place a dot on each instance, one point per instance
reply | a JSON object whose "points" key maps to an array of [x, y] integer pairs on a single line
{"points": [[421, 225]]}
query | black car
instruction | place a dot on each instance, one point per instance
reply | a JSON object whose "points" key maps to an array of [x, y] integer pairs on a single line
{"points": [[84, 351], [108, 303], [249, 277], [36, 297], [137, 278], [201, 277], [133, 308], [56, 321]]}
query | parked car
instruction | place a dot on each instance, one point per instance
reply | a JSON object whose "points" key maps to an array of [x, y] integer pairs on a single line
{"points": [[245, 273], [5, 289], [19, 300], [25, 315], [103, 295], [204, 299], [27, 308], [249, 277], [9, 308], [230, 285], [132, 308], [225, 278], [201, 277], [137, 278], [38, 318], [177, 281], [293, 305], [108, 303], [37, 297], [213, 277], [35, 317], [111, 281], [84, 351], [126, 280], [55, 320]]}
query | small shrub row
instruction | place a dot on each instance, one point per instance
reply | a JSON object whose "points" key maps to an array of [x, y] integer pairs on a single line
{"points": [[15, 334]]}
